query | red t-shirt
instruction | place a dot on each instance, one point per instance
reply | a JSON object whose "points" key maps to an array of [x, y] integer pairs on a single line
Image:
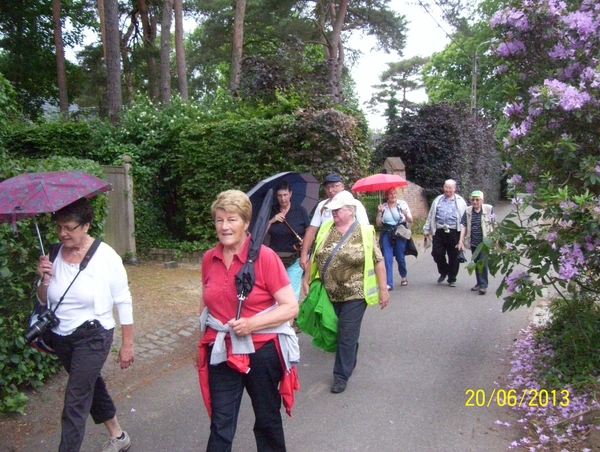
{"points": [[220, 292]]}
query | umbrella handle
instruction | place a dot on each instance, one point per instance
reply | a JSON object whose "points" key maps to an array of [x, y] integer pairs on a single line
{"points": [[37, 229], [239, 310]]}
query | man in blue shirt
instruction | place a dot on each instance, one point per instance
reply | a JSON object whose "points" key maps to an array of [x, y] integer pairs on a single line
{"points": [[443, 228]]}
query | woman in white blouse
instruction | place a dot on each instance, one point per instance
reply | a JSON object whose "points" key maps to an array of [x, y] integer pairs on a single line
{"points": [[83, 338]]}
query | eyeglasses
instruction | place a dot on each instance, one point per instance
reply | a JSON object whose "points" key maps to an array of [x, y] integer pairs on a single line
{"points": [[332, 186], [69, 229], [476, 199]]}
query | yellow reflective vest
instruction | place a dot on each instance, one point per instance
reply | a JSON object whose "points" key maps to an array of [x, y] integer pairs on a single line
{"points": [[371, 287]]}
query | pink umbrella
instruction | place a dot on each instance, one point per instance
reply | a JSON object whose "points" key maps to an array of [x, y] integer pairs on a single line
{"points": [[30, 194], [379, 182]]}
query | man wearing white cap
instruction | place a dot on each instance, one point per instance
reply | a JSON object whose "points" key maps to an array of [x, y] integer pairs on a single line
{"points": [[333, 185]]}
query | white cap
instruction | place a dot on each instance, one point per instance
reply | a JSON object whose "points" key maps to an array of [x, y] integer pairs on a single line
{"points": [[343, 198]]}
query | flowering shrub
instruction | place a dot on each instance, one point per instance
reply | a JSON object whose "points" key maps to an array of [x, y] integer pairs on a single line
{"points": [[550, 53]]}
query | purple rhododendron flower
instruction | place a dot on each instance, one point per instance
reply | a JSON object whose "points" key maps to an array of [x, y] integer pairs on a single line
{"points": [[530, 187], [516, 108], [514, 279], [582, 22], [516, 179], [507, 49], [570, 98], [570, 260]]}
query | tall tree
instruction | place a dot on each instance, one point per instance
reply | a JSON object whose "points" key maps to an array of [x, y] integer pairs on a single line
{"points": [[401, 77], [373, 17], [180, 49], [113, 61], [61, 66], [237, 47], [165, 53]]}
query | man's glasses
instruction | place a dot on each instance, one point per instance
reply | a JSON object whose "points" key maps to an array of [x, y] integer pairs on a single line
{"points": [[332, 186], [476, 199], [60, 229]]}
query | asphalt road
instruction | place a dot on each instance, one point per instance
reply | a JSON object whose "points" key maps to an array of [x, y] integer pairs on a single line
{"points": [[417, 360]]}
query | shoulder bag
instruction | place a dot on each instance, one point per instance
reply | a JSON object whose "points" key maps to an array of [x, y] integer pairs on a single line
{"points": [[402, 231]]}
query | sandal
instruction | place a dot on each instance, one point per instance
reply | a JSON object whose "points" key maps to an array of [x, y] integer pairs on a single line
{"points": [[404, 282]]}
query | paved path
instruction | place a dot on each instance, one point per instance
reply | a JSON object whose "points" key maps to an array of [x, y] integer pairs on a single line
{"points": [[417, 360]]}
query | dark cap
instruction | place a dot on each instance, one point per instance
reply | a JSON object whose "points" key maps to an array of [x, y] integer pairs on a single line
{"points": [[332, 179]]}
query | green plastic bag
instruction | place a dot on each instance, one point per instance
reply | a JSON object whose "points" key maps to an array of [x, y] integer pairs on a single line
{"points": [[317, 318]]}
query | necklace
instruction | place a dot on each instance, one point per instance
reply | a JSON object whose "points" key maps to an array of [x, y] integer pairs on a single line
{"points": [[77, 251]]}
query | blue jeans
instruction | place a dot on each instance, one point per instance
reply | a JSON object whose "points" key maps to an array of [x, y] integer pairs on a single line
{"points": [[393, 248], [262, 383], [482, 277], [350, 315]]}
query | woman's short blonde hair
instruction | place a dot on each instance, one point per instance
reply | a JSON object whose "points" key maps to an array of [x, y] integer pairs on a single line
{"points": [[233, 201]]}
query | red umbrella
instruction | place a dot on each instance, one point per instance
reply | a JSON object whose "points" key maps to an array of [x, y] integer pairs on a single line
{"points": [[378, 182], [30, 194]]}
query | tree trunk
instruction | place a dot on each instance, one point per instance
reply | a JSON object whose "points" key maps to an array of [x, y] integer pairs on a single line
{"points": [[101, 16], [180, 50], [128, 89], [61, 66], [335, 59], [113, 62], [165, 53], [149, 30], [238, 44]]}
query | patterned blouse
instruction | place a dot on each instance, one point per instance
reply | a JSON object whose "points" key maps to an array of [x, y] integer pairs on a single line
{"points": [[344, 280]]}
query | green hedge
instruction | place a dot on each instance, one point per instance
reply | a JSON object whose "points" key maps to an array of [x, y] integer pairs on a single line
{"points": [[20, 365]]}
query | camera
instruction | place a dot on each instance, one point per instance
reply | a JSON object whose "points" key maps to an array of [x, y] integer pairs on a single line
{"points": [[46, 321]]}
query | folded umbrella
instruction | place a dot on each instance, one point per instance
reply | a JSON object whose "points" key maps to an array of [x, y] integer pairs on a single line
{"points": [[246, 277]]}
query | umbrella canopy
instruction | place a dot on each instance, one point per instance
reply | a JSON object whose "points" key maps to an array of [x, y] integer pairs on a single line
{"points": [[30, 194], [379, 182], [304, 186], [246, 277]]}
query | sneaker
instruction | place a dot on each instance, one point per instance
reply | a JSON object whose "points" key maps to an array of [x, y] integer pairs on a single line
{"points": [[116, 445], [452, 284], [475, 288], [339, 386], [441, 279], [390, 287], [482, 291]]}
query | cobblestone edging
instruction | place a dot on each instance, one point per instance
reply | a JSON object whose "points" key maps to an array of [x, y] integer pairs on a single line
{"points": [[163, 340]]}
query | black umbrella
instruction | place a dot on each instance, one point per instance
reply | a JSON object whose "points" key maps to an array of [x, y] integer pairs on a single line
{"points": [[304, 187], [246, 277]]}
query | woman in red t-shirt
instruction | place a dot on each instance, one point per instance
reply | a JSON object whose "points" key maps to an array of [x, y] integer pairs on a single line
{"points": [[264, 371]]}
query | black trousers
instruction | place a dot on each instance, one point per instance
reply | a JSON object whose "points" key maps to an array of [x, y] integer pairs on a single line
{"points": [[444, 244], [83, 353], [262, 383]]}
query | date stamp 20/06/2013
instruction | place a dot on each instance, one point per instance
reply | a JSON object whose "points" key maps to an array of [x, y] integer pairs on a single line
{"points": [[513, 398]]}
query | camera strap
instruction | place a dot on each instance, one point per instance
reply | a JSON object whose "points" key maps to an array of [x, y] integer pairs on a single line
{"points": [[82, 266]]}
